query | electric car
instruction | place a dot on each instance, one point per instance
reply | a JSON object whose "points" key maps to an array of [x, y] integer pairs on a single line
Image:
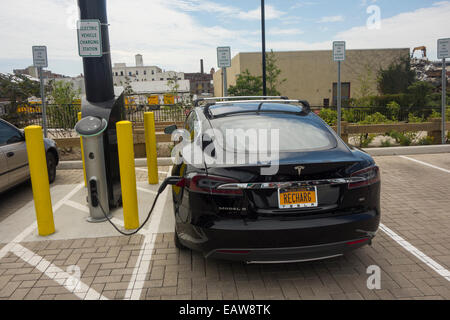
{"points": [[14, 158], [318, 198]]}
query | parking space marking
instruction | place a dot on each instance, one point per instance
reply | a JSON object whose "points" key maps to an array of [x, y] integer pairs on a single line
{"points": [[142, 265], [146, 170], [426, 164], [147, 191], [77, 205], [73, 285], [417, 253], [27, 231]]}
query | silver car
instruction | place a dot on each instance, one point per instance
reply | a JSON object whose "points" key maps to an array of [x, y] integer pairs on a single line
{"points": [[14, 159]]}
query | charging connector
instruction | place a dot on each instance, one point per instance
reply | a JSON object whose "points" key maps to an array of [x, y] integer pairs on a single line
{"points": [[162, 187]]}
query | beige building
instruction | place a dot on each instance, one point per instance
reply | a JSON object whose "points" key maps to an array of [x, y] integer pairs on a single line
{"points": [[312, 75]]}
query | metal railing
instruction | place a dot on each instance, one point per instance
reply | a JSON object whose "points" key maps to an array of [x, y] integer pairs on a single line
{"points": [[358, 114], [66, 116]]}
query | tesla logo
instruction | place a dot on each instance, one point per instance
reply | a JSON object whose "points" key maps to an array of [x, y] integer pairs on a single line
{"points": [[299, 170]]}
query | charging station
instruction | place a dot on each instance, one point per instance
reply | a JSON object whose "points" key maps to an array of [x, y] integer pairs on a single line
{"points": [[101, 110]]}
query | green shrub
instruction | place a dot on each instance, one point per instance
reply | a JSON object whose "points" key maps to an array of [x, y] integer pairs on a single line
{"points": [[394, 110], [375, 119], [403, 138], [386, 143], [349, 115], [329, 116], [413, 119], [365, 139], [426, 141]]}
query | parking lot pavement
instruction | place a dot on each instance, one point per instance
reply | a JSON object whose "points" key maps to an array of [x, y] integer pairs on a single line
{"points": [[411, 249]]}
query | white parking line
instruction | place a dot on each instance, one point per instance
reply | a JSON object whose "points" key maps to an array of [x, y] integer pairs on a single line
{"points": [[425, 164], [416, 252], [25, 233], [72, 284], [142, 265], [147, 191], [146, 170]]}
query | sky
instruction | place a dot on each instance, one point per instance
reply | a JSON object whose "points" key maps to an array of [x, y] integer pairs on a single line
{"points": [[176, 34]]}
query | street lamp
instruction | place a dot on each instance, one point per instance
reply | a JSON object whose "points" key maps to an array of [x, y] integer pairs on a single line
{"points": [[263, 31]]}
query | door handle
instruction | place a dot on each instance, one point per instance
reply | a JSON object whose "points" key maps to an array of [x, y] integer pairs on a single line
{"points": [[10, 154]]}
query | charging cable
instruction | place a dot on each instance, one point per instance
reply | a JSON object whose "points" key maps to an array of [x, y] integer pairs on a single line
{"points": [[162, 187]]}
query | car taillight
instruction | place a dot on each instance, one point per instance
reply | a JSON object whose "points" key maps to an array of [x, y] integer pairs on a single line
{"points": [[209, 184], [365, 177]]}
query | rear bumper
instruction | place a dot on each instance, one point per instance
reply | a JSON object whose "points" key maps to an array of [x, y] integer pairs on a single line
{"points": [[288, 255], [272, 240]]}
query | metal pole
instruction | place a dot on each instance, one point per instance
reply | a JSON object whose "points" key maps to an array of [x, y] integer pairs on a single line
{"points": [[44, 107], [339, 100], [263, 29], [225, 81], [444, 99]]}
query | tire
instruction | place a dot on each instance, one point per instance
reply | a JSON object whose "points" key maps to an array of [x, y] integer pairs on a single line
{"points": [[51, 166], [178, 244]]}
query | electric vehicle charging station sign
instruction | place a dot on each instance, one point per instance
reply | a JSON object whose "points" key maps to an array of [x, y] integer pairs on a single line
{"points": [[40, 56], [444, 48], [224, 57], [339, 51], [89, 38]]}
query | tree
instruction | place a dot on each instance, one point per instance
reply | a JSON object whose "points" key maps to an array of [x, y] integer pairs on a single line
{"points": [[272, 75], [17, 89], [63, 93], [246, 85], [397, 77], [128, 89], [420, 93], [62, 115]]}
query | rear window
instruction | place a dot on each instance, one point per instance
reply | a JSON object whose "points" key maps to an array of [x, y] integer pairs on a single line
{"points": [[296, 133]]}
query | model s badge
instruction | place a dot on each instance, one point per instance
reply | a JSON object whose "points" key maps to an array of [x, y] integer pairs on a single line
{"points": [[299, 170]]}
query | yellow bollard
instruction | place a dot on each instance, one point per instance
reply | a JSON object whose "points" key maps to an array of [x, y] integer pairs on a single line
{"points": [[39, 180], [150, 148], [82, 153], [127, 174]]}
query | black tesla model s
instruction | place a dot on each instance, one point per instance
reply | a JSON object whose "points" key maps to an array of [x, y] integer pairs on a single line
{"points": [[315, 198]]}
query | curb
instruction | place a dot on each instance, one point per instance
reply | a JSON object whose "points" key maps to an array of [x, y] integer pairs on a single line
{"points": [[377, 152], [408, 151]]}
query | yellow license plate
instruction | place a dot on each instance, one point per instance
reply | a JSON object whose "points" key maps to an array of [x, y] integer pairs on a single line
{"points": [[297, 198]]}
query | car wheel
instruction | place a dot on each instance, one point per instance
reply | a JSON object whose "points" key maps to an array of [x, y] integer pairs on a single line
{"points": [[178, 244], [51, 166]]}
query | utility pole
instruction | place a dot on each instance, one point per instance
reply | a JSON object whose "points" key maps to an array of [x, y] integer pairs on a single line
{"points": [[44, 106], [40, 61], [444, 99], [339, 56], [263, 31], [444, 53]]}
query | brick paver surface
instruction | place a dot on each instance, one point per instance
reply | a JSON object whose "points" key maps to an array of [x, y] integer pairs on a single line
{"points": [[415, 205]]}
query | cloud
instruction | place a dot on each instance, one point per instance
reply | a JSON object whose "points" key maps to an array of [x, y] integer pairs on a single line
{"points": [[270, 13], [284, 32], [411, 29], [229, 11], [165, 36], [331, 19], [406, 30]]}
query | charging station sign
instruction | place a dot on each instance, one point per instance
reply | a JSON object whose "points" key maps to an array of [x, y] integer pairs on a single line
{"points": [[339, 50], [40, 56], [89, 38], [443, 48], [224, 57]]}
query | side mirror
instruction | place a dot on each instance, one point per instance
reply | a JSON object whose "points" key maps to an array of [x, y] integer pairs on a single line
{"points": [[170, 129]]}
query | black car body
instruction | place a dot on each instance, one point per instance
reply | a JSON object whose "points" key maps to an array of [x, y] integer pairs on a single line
{"points": [[232, 212]]}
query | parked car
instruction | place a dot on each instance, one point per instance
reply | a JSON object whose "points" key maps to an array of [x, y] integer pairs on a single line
{"points": [[323, 201], [14, 159]]}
